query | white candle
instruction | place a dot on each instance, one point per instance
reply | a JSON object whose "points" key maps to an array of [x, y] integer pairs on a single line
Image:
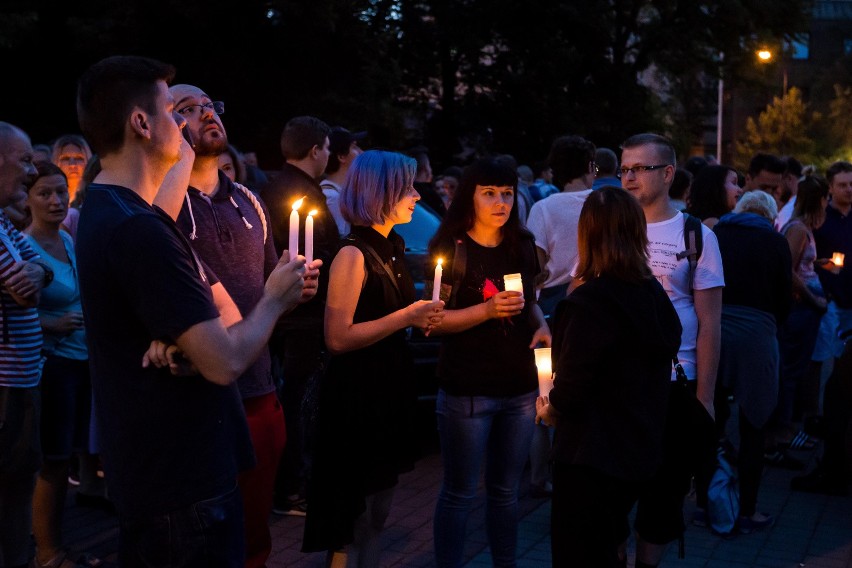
{"points": [[309, 236], [513, 283], [545, 370], [436, 284], [294, 229], [837, 258]]}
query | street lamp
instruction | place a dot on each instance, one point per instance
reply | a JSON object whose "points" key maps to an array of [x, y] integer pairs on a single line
{"points": [[765, 56]]}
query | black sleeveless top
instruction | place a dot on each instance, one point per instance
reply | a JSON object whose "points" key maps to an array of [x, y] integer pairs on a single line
{"points": [[366, 433]]}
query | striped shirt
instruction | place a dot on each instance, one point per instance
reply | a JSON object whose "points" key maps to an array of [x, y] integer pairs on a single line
{"points": [[20, 330]]}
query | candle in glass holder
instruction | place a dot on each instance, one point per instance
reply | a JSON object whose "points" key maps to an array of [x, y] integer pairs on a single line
{"points": [[513, 283], [545, 370], [294, 229], [436, 284], [309, 236], [837, 258]]}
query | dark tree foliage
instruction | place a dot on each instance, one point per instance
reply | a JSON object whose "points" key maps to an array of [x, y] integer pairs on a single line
{"points": [[460, 76]]}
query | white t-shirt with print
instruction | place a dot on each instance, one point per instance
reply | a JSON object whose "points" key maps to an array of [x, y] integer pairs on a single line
{"points": [[665, 241], [553, 221]]}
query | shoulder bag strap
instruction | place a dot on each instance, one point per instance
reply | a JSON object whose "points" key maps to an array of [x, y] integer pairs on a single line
{"points": [[459, 267], [375, 256]]}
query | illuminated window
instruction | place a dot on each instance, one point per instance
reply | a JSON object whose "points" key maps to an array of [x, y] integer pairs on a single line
{"points": [[800, 46]]}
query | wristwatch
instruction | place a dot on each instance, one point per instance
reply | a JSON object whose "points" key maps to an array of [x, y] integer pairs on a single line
{"points": [[48, 272]]}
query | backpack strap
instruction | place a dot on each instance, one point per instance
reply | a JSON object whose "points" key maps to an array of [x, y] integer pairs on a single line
{"points": [[459, 267], [694, 242]]}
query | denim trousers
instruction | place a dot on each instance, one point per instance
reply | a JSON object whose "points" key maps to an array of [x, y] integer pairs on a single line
{"points": [[498, 430], [206, 534]]}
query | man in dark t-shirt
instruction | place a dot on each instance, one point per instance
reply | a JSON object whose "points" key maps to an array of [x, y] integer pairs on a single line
{"points": [[297, 345], [172, 445]]}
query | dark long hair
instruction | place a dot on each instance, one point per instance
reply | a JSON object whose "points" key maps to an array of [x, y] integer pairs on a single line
{"points": [[612, 237], [461, 214], [708, 197]]}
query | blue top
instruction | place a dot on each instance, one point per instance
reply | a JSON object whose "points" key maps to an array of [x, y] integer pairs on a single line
{"points": [[61, 297], [600, 182]]}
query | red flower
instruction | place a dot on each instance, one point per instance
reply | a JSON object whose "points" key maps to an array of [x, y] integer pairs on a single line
{"points": [[489, 289]]}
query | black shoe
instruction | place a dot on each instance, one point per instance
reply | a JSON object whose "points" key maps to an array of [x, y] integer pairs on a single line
{"points": [[818, 482], [295, 507], [543, 491], [94, 502], [779, 458], [814, 426]]}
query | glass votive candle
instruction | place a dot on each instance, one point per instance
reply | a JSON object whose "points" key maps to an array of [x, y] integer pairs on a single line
{"points": [[513, 283], [545, 370]]}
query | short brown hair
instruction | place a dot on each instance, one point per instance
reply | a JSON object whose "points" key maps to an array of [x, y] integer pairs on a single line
{"points": [[108, 91], [301, 134], [612, 237]]}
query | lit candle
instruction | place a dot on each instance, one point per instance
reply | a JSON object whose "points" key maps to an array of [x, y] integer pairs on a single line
{"points": [[436, 284], [294, 229], [513, 283], [545, 370], [837, 258], [309, 236]]}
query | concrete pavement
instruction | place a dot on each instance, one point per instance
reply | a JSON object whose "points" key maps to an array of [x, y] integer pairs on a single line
{"points": [[811, 531]]}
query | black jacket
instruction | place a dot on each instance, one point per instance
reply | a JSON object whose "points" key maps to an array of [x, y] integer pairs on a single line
{"points": [[613, 345]]}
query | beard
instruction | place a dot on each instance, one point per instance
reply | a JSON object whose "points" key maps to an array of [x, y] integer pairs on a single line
{"points": [[211, 146]]}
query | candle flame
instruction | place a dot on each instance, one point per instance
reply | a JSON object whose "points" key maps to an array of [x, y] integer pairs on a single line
{"points": [[298, 203], [440, 261], [312, 211]]}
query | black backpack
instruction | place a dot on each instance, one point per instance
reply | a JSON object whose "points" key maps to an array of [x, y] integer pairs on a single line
{"points": [[694, 242]]}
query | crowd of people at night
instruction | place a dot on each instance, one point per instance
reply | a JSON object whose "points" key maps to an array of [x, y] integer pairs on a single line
{"points": [[197, 343]]}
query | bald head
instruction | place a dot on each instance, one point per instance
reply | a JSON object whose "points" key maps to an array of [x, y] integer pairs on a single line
{"points": [[16, 163], [183, 91], [202, 121]]}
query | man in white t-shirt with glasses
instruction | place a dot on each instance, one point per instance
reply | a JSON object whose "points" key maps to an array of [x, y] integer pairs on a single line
{"points": [[648, 163]]}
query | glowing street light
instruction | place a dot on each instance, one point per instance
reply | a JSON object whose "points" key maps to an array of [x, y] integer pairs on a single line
{"points": [[764, 55]]}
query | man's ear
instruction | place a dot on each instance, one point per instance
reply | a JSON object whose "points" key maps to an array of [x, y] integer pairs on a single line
{"points": [[140, 123]]}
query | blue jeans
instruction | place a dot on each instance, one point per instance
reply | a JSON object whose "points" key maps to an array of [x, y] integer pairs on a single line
{"points": [[472, 428], [208, 533]]}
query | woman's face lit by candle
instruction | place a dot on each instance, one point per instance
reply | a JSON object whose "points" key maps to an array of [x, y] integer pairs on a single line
{"points": [[404, 209], [492, 204]]}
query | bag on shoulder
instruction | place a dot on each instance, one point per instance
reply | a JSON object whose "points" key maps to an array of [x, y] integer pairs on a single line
{"points": [[723, 497]]}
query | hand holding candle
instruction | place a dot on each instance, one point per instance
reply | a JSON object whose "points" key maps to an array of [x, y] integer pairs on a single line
{"points": [[309, 236], [294, 228], [436, 284], [545, 370]]}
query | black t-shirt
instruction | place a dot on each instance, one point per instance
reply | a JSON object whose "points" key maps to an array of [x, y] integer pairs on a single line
{"points": [[493, 358], [167, 441]]}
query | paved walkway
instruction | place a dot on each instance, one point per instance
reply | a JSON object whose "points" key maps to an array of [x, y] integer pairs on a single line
{"points": [[812, 531]]}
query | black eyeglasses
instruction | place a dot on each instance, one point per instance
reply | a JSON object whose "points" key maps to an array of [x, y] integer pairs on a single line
{"points": [[636, 169], [216, 106]]}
